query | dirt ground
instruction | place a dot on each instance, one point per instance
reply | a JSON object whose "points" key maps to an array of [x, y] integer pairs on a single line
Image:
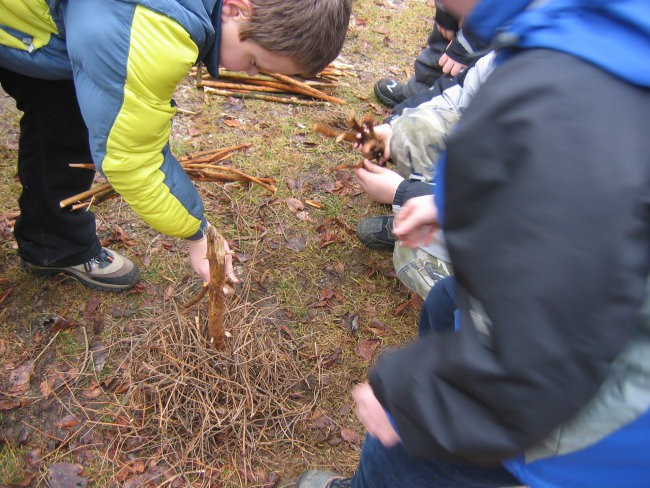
{"points": [[112, 390]]}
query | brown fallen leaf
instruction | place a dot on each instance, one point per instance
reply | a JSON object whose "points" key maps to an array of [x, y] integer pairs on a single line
{"points": [[9, 405], [377, 327], [272, 480], [93, 391], [55, 379], [66, 475], [351, 437], [333, 358], [67, 422], [137, 466], [367, 348], [91, 307], [294, 204], [399, 310], [20, 377], [232, 122]]}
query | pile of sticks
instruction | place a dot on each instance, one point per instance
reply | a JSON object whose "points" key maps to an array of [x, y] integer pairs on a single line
{"points": [[200, 166], [275, 87]]}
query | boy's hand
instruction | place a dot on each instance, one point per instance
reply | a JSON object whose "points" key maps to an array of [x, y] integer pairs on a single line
{"points": [[198, 252], [378, 182], [373, 416], [383, 133], [416, 222], [449, 66]]}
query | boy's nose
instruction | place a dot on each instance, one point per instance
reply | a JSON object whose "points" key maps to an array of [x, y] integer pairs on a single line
{"points": [[252, 71]]}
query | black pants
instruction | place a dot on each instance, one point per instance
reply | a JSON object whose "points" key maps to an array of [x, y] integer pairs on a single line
{"points": [[52, 135], [427, 69]]}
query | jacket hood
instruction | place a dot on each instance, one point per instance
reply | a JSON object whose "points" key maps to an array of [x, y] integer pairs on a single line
{"points": [[612, 35], [211, 57]]}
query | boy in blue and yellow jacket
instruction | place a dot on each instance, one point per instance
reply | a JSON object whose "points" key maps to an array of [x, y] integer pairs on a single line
{"points": [[95, 80]]}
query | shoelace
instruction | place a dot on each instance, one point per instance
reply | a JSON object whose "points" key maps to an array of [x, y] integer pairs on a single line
{"points": [[102, 260]]}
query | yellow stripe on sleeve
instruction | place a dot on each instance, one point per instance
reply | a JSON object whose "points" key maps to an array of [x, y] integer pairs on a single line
{"points": [[161, 54]]}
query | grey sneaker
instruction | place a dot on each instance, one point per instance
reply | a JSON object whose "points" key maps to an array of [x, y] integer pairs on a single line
{"points": [[377, 232], [314, 478], [390, 92], [108, 271]]}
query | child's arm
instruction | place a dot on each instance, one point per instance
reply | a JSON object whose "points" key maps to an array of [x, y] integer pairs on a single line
{"points": [[125, 85]]}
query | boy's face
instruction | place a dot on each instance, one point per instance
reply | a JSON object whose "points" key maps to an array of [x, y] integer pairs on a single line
{"points": [[460, 8], [247, 56]]}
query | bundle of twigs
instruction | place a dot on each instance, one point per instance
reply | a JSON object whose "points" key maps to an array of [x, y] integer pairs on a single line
{"points": [[200, 166], [275, 87], [355, 131]]}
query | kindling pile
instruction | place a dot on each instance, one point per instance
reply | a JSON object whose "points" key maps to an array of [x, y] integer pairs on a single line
{"points": [[200, 166], [274, 87]]}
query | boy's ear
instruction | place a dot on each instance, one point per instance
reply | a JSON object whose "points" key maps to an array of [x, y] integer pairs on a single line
{"points": [[236, 8]]}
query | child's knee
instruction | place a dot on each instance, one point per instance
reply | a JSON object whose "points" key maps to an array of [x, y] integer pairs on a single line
{"points": [[418, 270]]}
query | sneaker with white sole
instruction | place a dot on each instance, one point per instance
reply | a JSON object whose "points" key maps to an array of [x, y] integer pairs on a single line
{"points": [[390, 92], [108, 271], [315, 478]]}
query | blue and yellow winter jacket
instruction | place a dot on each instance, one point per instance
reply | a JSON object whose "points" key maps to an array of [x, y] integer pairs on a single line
{"points": [[126, 58]]}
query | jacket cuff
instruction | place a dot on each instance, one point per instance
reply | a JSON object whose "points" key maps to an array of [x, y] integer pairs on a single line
{"points": [[408, 189], [199, 234]]}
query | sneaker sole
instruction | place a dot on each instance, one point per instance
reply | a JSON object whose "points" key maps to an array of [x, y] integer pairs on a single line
{"points": [[43, 272]]}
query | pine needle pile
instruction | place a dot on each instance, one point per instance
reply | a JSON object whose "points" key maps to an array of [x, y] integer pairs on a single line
{"points": [[274, 87], [204, 411]]}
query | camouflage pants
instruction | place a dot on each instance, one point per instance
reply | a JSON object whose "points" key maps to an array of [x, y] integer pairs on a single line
{"points": [[417, 142]]}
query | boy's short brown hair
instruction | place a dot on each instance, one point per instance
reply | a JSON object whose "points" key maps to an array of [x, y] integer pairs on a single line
{"points": [[310, 32]]}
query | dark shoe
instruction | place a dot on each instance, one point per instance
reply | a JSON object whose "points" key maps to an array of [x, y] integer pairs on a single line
{"points": [[314, 478], [390, 92], [108, 271], [377, 232]]}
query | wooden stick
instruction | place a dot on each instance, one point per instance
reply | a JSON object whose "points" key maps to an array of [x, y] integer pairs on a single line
{"points": [[243, 75], [247, 177], [85, 194], [82, 165], [217, 260], [239, 86], [287, 87], [340, 136], [267, 98], [313, 91], [216, 151], [199, 296]]}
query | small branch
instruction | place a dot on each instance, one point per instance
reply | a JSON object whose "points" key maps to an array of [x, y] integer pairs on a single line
{"points": [[83, 166], [267, 98], [217, 260], [85, 194], [238, 86], [199, 296], [312, 91]]}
